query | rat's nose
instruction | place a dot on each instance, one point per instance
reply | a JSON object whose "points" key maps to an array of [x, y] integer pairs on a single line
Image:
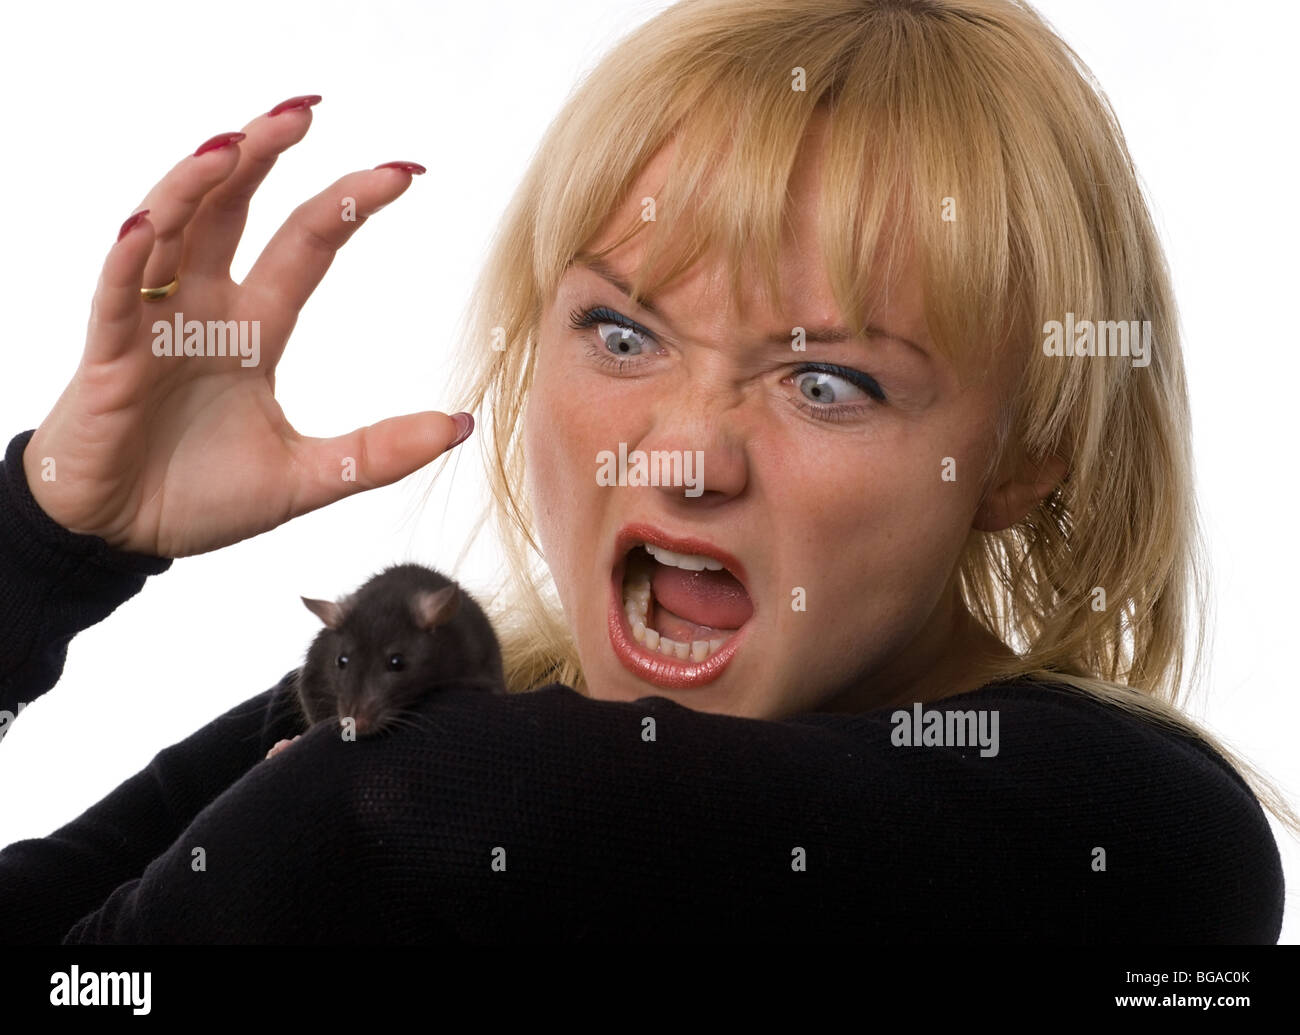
{"points": [[361, 719]]}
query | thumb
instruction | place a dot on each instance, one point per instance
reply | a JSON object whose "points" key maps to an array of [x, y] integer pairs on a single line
{"points": [[380, 454]]}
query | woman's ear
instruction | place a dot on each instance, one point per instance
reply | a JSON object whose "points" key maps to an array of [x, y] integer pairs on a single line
{"points": [[1005, 504]]}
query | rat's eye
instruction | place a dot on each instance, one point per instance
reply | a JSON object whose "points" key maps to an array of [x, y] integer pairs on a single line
{"points": [[396, 663], [342, 661]]}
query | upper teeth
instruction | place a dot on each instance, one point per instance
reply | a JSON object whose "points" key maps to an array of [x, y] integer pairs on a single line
{"points": [[689, 561]]}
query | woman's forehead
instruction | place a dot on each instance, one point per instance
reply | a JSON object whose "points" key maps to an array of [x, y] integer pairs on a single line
{"points": [[803, 230], [807, 299]]}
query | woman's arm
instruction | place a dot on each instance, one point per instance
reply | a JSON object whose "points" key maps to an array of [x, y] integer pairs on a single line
{"points": [[551, 817], [48, 883], [53, 584], [149, 455]]}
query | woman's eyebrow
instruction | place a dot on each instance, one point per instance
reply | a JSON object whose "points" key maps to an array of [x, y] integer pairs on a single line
{"points": [[778, 339], [607, 273]]}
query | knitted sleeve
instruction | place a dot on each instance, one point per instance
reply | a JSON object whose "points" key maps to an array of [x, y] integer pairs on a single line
{"points": [[53, 584], [548, 816]]}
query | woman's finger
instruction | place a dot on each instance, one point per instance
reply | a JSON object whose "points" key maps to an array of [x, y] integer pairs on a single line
{"points": [[115, 308], [214, 233], [298, 256], [328, 469], [149, 246], [176, 198]]}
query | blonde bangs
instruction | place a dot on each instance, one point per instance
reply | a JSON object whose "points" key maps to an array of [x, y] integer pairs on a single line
{"points": [[898, 143]]}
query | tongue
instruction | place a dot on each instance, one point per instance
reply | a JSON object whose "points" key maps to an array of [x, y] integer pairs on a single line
{"points": [[713, 600]]}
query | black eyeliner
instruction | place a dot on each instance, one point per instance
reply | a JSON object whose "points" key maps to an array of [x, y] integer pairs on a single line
{"points": [[582, 318], [864, 381]]}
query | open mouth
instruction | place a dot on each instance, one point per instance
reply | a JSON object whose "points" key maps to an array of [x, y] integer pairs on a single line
{"points": [[676, 617]]}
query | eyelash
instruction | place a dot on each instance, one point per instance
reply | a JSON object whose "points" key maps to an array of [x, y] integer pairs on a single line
{"points": [[583, 319]]}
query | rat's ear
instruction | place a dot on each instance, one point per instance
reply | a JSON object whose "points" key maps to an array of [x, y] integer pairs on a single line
{"points": [[434, 607], [331, 612]]}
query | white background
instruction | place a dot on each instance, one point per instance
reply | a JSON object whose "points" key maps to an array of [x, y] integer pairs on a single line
{"points": [[98, 101]]}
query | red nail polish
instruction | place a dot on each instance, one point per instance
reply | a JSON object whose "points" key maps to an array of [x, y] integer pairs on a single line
{"points": [[132, 223], [410, 167], [219, 141], [296, 103]]}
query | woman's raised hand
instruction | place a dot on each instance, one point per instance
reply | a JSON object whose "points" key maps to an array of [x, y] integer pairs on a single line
{"points": [[177, 454]]}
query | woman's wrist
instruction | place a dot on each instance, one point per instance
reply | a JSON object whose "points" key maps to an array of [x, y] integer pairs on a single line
{"points": [[23, 520]]}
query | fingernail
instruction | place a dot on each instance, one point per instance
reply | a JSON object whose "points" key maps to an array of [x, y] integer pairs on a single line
{"points": [[465, 422], [296, 103], [219, 141], [410, 167], [132, 223]]}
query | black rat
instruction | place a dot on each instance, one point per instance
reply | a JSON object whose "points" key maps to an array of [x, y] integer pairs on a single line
{"points": [[386, 646]]}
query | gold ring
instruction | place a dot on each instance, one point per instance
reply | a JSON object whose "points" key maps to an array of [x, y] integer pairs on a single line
{"points": [[159, 293]]}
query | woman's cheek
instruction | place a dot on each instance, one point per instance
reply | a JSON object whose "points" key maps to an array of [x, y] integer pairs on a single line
{"points": [[563, 434], [906, 524], [543, 470]]}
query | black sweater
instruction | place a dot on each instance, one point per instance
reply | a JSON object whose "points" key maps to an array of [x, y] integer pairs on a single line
{"points": [[546, 816]]}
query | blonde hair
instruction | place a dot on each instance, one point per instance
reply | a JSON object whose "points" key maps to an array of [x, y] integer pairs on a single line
{"points": [[973, 106]]}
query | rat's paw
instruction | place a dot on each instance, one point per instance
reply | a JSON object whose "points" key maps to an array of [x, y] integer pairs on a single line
{"points": [[280, 746]]}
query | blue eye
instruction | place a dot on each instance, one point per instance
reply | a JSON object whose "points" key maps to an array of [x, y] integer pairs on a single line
{"points": [[839, 393], [621, 336], [827, 383]]}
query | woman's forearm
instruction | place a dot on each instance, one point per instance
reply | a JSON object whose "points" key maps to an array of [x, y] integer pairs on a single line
{"points": [[48, 883], [53, 584]]}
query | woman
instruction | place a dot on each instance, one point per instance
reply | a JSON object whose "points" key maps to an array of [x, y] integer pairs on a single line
{"points": [[869, 521]]}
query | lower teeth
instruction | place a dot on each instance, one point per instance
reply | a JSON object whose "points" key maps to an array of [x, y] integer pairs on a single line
{"points": [[636, 604]]}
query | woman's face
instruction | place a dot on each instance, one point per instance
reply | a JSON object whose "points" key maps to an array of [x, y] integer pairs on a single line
{"points": [[842, 500]]}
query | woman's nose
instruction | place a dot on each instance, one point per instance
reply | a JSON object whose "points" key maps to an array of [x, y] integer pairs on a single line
{"points": [[697, 443]]}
